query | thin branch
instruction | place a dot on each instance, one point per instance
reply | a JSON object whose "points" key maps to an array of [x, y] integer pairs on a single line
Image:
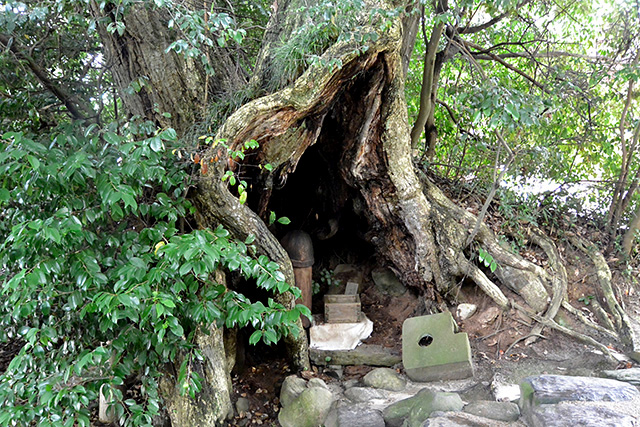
{"points": [[494, 188], [504, 63], [546, 55], [490, 23], [76, 110]]}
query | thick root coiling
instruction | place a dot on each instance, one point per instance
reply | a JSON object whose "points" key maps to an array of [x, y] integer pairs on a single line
{"points": [[543, 290]]}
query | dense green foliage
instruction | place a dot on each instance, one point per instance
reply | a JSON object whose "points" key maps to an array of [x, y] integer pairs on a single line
{"points": [[551, 78], [103, 278], [104, 275]]}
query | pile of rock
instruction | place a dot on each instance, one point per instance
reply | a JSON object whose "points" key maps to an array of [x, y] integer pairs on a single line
{"points": [[385, 398]]}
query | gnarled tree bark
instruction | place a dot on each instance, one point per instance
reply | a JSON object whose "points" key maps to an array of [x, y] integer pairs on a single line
{"points": [[355, 118]]}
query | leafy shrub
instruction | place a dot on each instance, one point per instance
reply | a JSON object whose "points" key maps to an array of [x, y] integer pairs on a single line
{"points": [[98, 279]]}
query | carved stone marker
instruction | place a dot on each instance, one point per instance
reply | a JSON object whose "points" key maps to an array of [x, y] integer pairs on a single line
{"points": [[431, 351]]}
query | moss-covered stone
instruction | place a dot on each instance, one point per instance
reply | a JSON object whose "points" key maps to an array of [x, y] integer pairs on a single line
{"points": [[432, 351]]}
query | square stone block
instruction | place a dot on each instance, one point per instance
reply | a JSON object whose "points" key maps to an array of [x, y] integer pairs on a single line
{"points": [[431, 351]]}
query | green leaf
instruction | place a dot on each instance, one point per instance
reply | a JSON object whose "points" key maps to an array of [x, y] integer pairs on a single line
{"points": [[270, 336], [4, 195], [513, 110], [168, 303], [284, 220], [156, 144], [255, 337], [34, 162]]}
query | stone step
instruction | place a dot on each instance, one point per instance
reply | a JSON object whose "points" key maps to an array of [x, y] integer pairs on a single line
{"points": [[364, 354]]}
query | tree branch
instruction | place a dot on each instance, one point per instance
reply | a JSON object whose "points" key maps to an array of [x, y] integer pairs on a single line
{"points": [[427, 84], [77, 111], [501, 61]]}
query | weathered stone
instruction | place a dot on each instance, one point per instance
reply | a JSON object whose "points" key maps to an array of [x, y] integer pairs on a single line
{"points": [[458, 419], [545, 389], [242, 405], [631, 376], [364, 354], [387, 283], [292, 387], [500, 411], [317, 382], [309, 409], [432, 351], [488, 316], [385, 378], [465, 311], [413, 411], [576, 414], [363, 394], [350, 383], [354, 416]]}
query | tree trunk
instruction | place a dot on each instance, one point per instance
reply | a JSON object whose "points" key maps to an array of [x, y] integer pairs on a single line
{"points": [[349, 126], [354, 120], [164, 87]]}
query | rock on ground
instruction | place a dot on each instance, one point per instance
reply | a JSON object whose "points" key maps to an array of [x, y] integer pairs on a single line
{"points": [[309, 409], [385, 378], [631, 376], [363, 394], [545, 389], [413, 411], [576, 414], [354, 416], [292, 387], [500, 411]]}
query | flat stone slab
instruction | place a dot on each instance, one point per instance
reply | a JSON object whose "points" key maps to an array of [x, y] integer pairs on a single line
{"points": [[364, 354], [577, 414], [431, 350], [631, 376], [354, 416], [463, 419], [546, 389], [499, 411]]}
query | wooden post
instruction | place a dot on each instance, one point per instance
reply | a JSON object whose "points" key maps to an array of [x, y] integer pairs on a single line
{"points": [[304, 282], [298, 245]]}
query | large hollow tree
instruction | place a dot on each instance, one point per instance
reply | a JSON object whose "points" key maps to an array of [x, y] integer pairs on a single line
{"points": [[334, 143]]}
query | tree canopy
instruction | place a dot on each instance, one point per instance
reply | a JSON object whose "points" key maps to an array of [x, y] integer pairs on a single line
{"points": [[147, 148]]}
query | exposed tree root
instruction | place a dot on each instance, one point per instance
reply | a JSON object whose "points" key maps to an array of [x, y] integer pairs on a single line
{"points": [[483, 282], [620, 317], [558, 279], [574, 334], [588, 322]]}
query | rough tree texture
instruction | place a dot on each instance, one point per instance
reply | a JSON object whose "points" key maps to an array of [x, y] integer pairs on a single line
{"points": [[213, 404], [170, 82], [174, 85], [360, 109], [357, 116]]}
